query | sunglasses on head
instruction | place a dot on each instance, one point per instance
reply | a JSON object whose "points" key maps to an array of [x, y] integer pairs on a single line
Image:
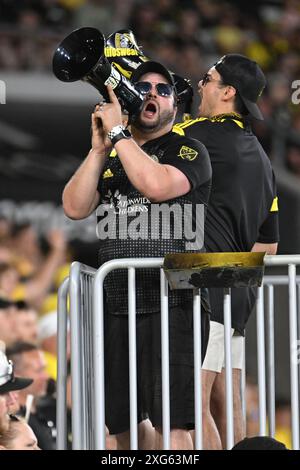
{"points": [[162, 89]]}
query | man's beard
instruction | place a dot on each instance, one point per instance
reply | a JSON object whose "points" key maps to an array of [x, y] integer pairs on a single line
{"points": [[163, 118]]}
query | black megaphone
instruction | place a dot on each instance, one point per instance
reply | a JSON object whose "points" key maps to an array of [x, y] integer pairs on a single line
{"points": [[80, 56]]}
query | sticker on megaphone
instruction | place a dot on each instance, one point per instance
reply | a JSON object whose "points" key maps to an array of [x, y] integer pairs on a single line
{"points": [[114, 78]]}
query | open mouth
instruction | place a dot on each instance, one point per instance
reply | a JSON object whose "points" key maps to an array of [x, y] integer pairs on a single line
{"points": [[150, 109]]}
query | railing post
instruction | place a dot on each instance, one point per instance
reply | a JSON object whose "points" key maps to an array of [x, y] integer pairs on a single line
{"points": [[298, 339], [78, 435], [197, 369], [293, 356], [228, 369], [132, 359], [165, 360], [260, 324], [88, 362], [61, 392], [271, 360], [243, 386], [98, 343]]}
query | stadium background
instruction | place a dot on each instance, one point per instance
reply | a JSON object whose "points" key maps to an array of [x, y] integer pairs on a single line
{"points": [[44, 125]]}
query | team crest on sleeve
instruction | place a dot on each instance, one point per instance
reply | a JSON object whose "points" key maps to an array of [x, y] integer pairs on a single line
{"points": [[187, 153]]}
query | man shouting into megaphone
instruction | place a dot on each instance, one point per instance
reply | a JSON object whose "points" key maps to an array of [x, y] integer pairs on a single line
{"points": [[147, 186]]}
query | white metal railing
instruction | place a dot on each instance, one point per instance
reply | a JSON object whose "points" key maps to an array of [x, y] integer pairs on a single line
{"points": [[85, 286], [98, 305]]}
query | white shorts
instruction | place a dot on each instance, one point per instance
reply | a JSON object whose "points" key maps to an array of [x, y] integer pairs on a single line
{"points": [[215, 353]]}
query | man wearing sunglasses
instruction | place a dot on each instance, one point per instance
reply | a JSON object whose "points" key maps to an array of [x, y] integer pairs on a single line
{"points": [[144, 169], [242, 216], [8, 384]]}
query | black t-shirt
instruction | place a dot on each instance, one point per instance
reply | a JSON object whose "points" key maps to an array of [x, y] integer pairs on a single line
{"points": [[46, 407], [243, 201], [136, 227]]}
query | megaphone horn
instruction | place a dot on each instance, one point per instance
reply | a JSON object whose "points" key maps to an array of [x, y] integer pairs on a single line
{"points": [[80, 56]]}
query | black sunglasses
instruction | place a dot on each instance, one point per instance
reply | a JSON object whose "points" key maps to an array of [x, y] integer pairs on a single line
{"points": [[208, 78], [205, 79], [162, 89]]}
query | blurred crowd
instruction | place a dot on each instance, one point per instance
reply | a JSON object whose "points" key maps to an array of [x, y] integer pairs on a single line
{"points": [[30, 272], [187, 36]]}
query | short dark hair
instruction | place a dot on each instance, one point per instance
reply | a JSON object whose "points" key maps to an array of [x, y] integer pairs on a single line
{"points": [[259, 443]]}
